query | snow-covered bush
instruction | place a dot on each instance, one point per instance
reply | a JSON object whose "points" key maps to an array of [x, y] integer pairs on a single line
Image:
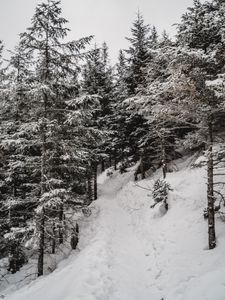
{"points": [[160, 192], [123, 167], [109, 172]]}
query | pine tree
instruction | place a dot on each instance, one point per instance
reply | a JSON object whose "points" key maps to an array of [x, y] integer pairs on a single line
{"points": [[202, 29], [164, 40], [119, 141], [97, 78], [152, 103], [199, 105], [18, 188], [121, 75], [130, 79], [98, 81], [154, 38], [138, 53], [55, 82]]}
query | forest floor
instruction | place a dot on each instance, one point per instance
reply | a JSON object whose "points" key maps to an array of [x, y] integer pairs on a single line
{"points": [[129, 251]]}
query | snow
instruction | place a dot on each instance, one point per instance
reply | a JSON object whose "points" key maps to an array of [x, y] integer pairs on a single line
{"points": [[128, 251]]}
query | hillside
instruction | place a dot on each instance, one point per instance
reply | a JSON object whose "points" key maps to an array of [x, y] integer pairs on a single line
{"points": [[128, 251]]}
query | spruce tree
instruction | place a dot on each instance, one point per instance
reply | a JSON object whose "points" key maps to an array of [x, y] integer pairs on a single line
{"points": [[118, 126], [18, 188], [133, 68], [157, 142], [138, 53], [202, 29], [98, 81], [55, 82], [199, 105]]}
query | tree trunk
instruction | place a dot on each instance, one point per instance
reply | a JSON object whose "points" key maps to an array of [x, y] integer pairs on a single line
{"points": [[43, 164], [61, 211], [163, 153], [142, 166], [115, 161], [110, 160], [115, 164], [75, 237], [210, 192], [41, 243], [95, 182], [103, 165], [89, 190], [53, 238], [41, 219]]}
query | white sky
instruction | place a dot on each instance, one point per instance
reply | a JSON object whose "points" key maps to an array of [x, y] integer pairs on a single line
{"points": [[108, 20]]}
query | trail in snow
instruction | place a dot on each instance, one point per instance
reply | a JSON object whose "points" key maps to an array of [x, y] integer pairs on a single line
{"points": [[127, 265], [131, 252]]}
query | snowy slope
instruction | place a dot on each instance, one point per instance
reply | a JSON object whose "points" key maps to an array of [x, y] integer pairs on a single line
{"points": [[129, 251]]}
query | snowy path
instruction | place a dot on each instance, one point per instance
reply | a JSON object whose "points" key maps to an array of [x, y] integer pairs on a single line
{"points": [[128, 269]]}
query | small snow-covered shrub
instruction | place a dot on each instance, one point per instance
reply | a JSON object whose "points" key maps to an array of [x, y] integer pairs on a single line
{"points": [[123, 167], [160, 192], [109, 172], [86, 211]]}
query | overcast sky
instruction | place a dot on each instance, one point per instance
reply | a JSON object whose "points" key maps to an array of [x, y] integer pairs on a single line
{"points": [[108, 20]]}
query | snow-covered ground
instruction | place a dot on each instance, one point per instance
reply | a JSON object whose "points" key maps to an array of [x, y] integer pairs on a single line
{"points": [[129, 251]]}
